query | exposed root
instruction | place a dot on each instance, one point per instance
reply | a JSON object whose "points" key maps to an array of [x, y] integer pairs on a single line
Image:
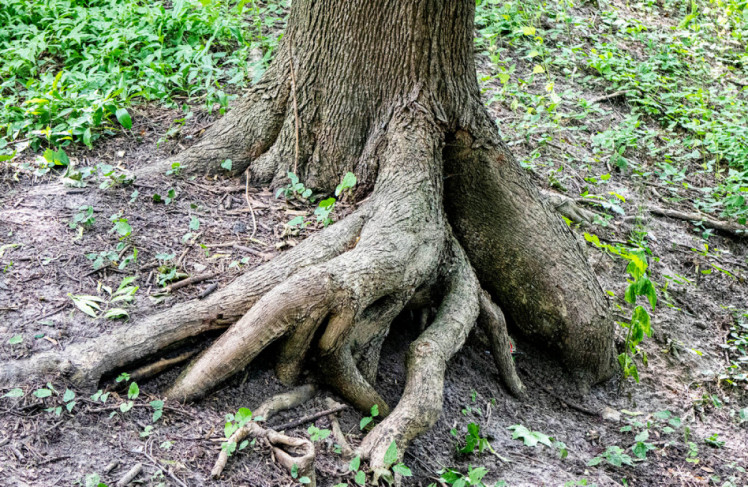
{"points": [[524, 255], [421, 402], [85, 363], [570, 209], [337, 433], [278, 442], [399, 249], [491, 319], [155, 368]]}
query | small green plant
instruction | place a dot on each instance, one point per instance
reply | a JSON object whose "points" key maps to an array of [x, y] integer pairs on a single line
{"points": [[295, 475], [473, 440], [474, 477], [92, 305], [93, 480], [100, 396], [639, 324], [112, 177], [368, 419], [84, 218], [233, 423], [158, 409], [175, 169], [614, 455], [171, 194], [121, 226], [533, 438], [325, 207], [359, 476], [316, 434], [714, 441], [295, 189]]}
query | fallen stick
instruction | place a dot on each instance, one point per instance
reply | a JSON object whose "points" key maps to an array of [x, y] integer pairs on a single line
{"points": [[130, 475], [607, 97], [737, 230], [189, 281], [208, 290], [310, 418]]}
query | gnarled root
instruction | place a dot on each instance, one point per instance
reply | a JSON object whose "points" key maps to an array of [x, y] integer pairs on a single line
{"points": [[278, 441], [421, 402], [399, 248]]}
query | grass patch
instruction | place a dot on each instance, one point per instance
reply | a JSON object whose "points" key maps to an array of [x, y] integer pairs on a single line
{"points": [[70, 68]]}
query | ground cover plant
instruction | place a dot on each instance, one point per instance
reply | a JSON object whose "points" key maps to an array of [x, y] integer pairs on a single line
{"points": [[630, 118]]}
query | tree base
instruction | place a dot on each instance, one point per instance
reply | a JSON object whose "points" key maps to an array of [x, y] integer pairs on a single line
{"points": [[450, 218]]}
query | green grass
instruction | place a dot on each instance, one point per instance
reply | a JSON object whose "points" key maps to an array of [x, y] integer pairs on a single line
{"points": [[675, 65], [68, 66]]}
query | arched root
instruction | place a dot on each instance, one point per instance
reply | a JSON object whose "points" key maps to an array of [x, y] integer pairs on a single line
{"points": [[304, 298], [492, 321], [278, 441], [421, 402]]}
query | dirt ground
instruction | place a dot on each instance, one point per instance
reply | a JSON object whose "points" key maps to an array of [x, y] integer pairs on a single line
{"points": [[43, 260]]}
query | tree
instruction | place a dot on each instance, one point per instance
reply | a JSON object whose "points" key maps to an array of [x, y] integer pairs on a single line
{"points": [[387, 90]]}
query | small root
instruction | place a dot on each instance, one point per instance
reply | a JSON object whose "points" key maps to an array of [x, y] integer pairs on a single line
{"points": [[148, 371], [337, 433], [272, 406], [342, 374], [492, 321], [570, 209]]}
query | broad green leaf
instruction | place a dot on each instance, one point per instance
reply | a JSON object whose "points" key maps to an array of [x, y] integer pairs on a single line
{"points": [[402, 469], [124, 118], [390, 456], [133, 391], [360, 477], [17, 392]]}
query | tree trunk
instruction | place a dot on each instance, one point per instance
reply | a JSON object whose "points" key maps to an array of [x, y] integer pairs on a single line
{"points": [[387, 90]]}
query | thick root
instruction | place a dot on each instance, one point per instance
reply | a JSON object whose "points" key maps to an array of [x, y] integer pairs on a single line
{"points": [[525, 255], [85, 363], [421, 402], [399, 249], [243, 135]]}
